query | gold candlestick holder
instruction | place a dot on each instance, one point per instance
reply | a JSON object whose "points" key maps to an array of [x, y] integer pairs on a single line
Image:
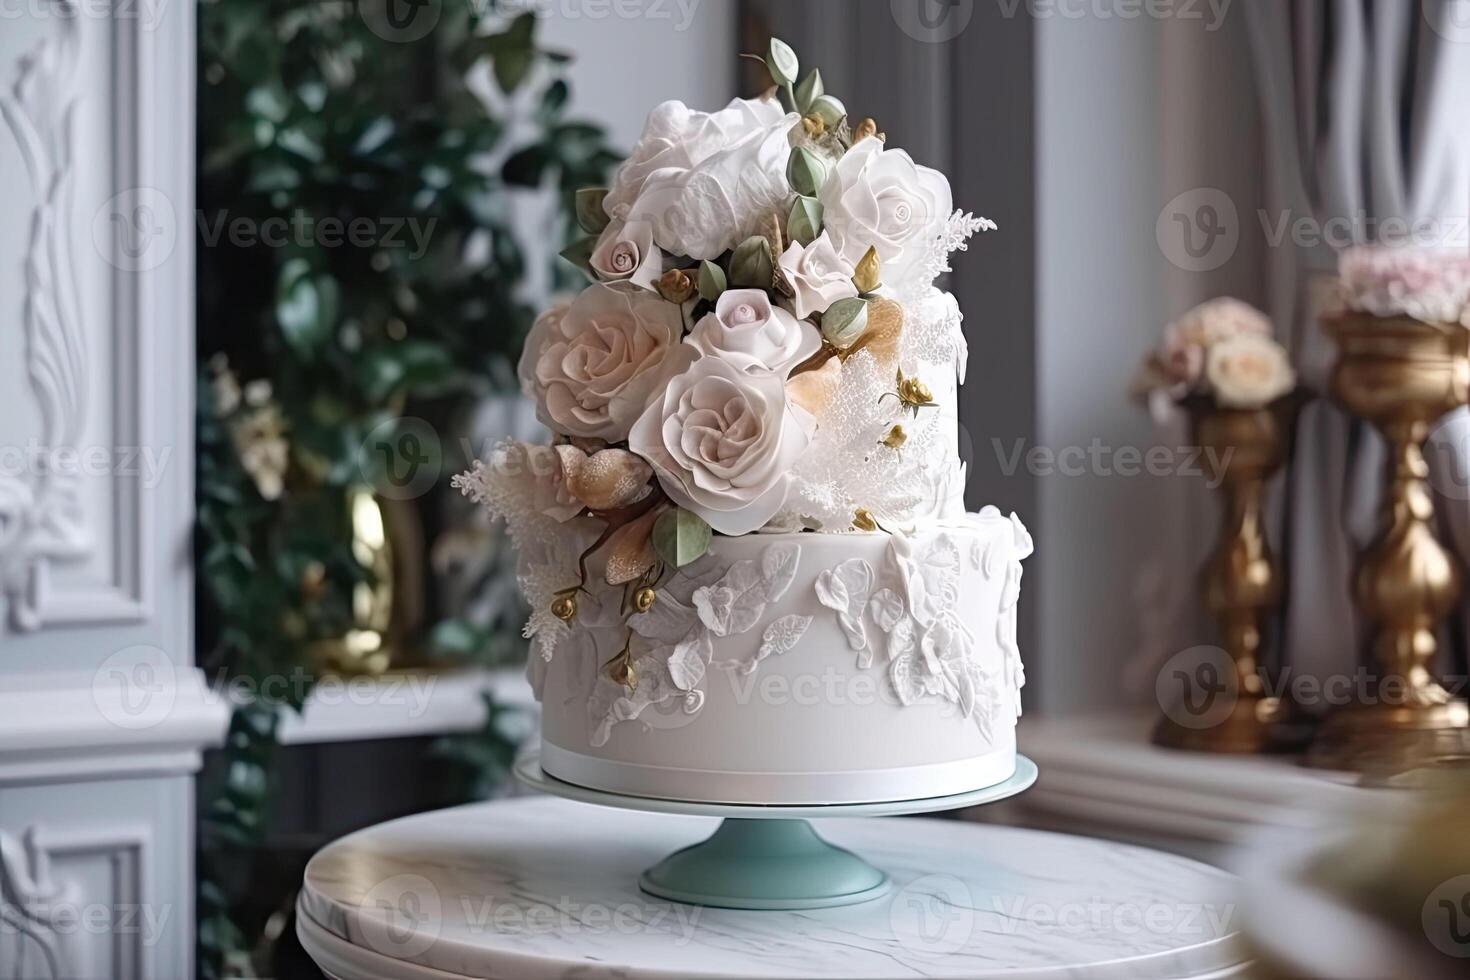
{"points": [[1400, 374], [1240, 583]]}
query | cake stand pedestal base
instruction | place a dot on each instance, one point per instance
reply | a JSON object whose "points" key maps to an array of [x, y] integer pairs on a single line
{"points": [[766, 858], [764, 864]]}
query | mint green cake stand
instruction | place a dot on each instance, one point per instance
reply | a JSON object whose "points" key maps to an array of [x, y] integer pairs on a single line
{"points": [[766, 857]]}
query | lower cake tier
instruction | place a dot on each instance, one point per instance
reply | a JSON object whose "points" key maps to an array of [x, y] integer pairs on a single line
{"points": [[800, 669]]}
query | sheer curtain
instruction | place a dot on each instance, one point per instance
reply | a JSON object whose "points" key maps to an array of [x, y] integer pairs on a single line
{"points": [[1363, 106]]}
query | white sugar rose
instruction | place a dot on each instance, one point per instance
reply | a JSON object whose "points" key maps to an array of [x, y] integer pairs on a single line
{"points": [[719, 199], [750, 333], [676, 137], [1248, 371], [723, 442], [625, 250], [592, 366], [881, 198], [818, 275]]}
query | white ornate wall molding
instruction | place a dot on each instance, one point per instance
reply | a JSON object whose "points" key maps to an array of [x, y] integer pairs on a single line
{"points": [[119, 722], [60, 927], [45, 519], [32, 905]]}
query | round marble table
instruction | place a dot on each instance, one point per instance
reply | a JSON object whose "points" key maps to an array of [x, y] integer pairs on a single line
{"points": [[539, 887]]}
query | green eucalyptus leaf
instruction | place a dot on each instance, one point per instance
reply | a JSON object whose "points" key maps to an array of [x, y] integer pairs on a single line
{"points": [[808, 90], [844, 322], [590, 214], [829, 109], [711, 280], [679, 537], [805, 221], [806, 171], [579, 253], [752, 263], [781, 62]]}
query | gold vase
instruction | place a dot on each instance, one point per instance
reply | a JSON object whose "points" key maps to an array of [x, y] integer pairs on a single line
{"points": [[388, 610], [1240, 584], [1402, 375]]}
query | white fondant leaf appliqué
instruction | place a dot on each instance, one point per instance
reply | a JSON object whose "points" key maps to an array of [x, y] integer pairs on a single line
{"points": [[844, 590], [735, 602], [778, 565], [738, 600], [907, 684], [781, 636], [886, 608], [687, 662]]}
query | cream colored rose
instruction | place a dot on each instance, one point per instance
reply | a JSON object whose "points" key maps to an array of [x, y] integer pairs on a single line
{"points": [[881, 198], [723, 443], [818, 276], [1248, 371], [750, 333], [592, 366], [625, 250]]}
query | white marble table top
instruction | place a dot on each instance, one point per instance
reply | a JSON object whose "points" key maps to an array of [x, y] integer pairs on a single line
{"points": [[539, 887]]}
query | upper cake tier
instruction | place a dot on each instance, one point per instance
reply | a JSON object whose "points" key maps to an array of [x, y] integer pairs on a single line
{"points": [[760, 347]]}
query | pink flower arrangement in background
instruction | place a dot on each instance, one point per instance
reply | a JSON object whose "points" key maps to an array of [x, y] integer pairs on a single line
{"points": [[1432, 285], [1222, 349]]}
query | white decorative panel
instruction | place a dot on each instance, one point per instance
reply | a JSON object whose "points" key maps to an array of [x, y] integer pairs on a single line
{"points": [[96, 490], [76, 904], [73, 507]]}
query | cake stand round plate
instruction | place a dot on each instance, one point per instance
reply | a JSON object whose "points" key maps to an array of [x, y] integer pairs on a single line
{"points": [[539, 888], [766, 857]]}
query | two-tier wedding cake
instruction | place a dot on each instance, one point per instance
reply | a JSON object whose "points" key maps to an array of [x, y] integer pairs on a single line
{"points": [[751, 573]]}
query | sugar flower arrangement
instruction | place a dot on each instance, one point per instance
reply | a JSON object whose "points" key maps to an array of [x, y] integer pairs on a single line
{"points": [[1221, 350], [1432, 285], [758, 348]]}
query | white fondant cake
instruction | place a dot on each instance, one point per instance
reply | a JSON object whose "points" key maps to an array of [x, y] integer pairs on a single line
{"points": [[751, 575]]}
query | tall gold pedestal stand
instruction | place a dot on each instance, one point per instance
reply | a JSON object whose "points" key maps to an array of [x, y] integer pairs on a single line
{"points": [[1240, 583], [1402, 375]]}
